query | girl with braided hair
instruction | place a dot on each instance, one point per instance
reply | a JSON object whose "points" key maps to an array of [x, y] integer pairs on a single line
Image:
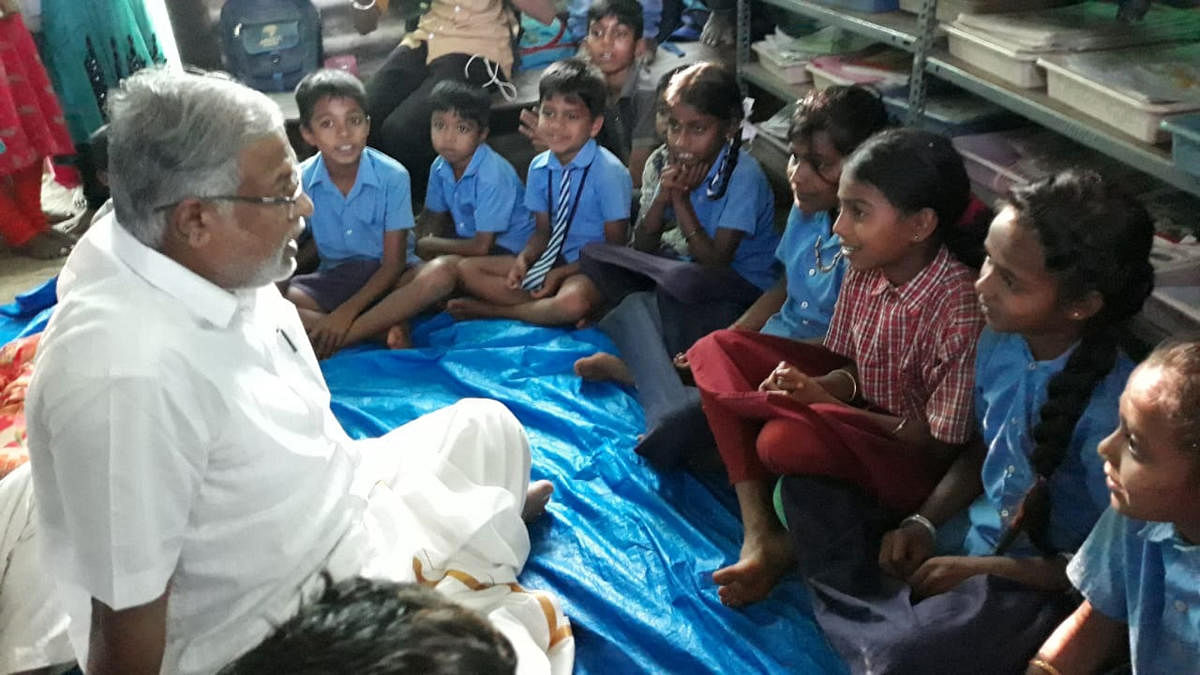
{"points": [[1067, 265], [1137, 571]]}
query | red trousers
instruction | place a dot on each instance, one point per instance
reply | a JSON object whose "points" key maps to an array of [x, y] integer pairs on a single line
{"points": [[760, 435]]}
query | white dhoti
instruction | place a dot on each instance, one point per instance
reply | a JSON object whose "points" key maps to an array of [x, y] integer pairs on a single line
{"points": [[33, 628], [443, 504]]}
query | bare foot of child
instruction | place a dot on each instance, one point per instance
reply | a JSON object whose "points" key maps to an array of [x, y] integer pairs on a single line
{"points": [[603, 367], [536, 499], [398, 336], [765, 558], [718, 31], [469, 308]]}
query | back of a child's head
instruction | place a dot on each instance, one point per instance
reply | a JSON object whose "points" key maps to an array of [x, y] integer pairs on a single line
{"points": [[916, 169], [710, 88], [467, 101], [627, 12], [575, 80], [849, 115], [327, 83], [1178, 397], [376, 627], [1095, 239]]}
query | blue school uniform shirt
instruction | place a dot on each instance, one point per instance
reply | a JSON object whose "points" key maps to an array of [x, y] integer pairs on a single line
{"points": [[488, 198], [607, 193], [748, 205], [351, 227], [811, 293], [1010, 388], [1144, 574]]}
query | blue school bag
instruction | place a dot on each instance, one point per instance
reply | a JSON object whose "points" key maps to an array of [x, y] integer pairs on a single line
{"points": [[271, 44]]}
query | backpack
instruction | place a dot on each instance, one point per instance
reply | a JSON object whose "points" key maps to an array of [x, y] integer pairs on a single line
{"points": [[271, 44]]}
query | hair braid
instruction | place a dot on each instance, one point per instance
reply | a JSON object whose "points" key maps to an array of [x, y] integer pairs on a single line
{"points": [[1095, 240]]}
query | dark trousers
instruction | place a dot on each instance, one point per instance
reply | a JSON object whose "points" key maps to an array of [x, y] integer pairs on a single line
{"points": [[398, 103]]}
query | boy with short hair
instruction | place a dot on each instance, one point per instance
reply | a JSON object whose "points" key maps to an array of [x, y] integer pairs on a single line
{"points": [[578, 192], [614, 45], [474, 206], [362, 211]]}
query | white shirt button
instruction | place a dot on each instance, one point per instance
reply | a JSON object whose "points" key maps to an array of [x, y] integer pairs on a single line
{"points": [[1180, 606], [1010, 470], [1032, 366], [1014, 421], [1003, 513], [804, 305], [349, 231], [812, 271]]}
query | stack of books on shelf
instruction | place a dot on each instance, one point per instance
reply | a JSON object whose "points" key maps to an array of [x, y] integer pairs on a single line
{"points": [[948, 10], [788, 57], [1009, 45]]}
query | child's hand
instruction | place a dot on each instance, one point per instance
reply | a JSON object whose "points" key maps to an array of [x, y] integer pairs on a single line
{"points": [[329, 333], [550, 285], [529, 128], [940, 574], [680, 361], [669, 182], [904, 549], [516, 273], [788, 380]]}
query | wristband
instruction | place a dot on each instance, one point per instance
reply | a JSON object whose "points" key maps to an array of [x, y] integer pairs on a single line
{"points": [[1044, 666], [923, 522], [853, 383]]}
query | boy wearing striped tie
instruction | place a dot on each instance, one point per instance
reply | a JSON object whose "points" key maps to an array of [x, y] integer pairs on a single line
{"points": [[578, 193]]}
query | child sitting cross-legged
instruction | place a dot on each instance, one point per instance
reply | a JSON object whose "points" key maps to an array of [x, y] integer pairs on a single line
{"points": [[362, 211], [1138, 571], [1067, 266], [474, 206], [578, 192], [886, 403]]}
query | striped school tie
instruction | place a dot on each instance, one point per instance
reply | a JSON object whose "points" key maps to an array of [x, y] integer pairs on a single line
{"points": [[536, 275]]}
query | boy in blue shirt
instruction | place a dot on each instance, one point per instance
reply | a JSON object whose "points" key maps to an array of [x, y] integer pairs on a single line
{"points": [[474, 206], [542, 284], [362, 211], [613, 44]]}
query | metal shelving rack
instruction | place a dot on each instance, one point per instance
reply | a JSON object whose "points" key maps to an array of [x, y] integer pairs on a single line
{"points": [[915, 34]]}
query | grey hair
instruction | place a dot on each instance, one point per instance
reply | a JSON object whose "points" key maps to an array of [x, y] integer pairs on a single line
{"points": [[175, 135]]}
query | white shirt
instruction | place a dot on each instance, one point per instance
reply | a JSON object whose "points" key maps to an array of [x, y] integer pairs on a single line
{"points": [[182, 433]]}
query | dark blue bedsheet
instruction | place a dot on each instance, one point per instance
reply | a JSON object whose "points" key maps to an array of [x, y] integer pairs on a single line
{"points": [[629, 550]]}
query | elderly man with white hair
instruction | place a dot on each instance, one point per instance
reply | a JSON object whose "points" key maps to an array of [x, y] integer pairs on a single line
{"points": [[193, 487]]}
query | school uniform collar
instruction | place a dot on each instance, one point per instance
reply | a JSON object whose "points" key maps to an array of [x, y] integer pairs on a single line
{"points": [[208, 301], [367, 174], [1164, 533], [1055, 364], [712, 170], [920, 289], [582, 159], [447, 171]]}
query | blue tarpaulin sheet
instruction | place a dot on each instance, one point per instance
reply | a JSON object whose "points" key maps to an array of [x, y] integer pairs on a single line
{"points": [[629, 550]]}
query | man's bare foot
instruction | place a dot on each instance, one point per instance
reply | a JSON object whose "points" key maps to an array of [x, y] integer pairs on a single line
{"points": [[764, 560], [536, 499], [469, 308], [399, 337], [602, 367]]}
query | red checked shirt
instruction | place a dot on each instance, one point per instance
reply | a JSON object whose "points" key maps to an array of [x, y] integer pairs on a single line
{"points": [[914, 345]]}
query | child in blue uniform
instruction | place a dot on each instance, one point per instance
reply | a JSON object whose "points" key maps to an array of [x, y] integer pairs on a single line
{"points": [[542, 283], [362, 211], [474, 206], [1068, 264], [826, 127], [1139, 570]]}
